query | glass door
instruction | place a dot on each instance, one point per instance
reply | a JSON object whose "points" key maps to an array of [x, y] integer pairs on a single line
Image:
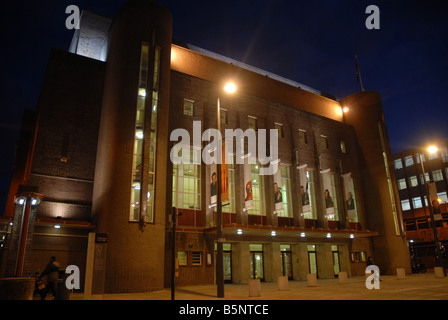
{"points": [[312, 260], [227, 260], [256, 265], [286, 264], [336, 265]]}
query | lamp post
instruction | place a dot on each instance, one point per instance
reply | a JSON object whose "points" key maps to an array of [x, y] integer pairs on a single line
{"points": [[439, 259], [229, 88]]}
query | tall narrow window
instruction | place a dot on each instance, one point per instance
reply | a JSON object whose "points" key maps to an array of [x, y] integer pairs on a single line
{"points": [[187, 185], [286, 191], [257, 191], [153, 137], [137, 161], [231, 206]]}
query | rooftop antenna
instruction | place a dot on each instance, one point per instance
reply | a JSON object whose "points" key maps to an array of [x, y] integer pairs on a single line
{"points": [[358, 73]]}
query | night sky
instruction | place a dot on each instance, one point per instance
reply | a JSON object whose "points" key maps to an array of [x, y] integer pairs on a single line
{"points": [[312, 42]]}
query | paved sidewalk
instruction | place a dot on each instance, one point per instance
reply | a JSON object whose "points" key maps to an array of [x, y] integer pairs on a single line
{"points": [[413, 287]]}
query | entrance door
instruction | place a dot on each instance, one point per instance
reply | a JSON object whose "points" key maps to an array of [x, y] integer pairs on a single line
{"points": [[312, 260], [336, 265], [286, 264], [256, 265], [227, 260]]}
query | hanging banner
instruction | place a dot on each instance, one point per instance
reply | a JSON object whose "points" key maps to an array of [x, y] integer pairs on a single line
{"points": [[224, 174], [350, 197], [248, 197], [224, 179], [328, 194], [213, 185], [278, 195], [305, 191]]}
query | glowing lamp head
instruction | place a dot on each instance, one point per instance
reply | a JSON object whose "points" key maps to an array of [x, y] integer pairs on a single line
{"points": [[432, 149], [230, 87]]}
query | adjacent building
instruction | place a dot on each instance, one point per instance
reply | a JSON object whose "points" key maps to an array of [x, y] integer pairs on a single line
{"points": [[98, 152], [410, 167]]}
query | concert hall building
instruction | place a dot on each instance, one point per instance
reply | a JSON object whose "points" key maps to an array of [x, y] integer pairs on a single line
{"points": [[94, 183]]}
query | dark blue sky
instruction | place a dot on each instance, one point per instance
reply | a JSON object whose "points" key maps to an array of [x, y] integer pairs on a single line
{"points": [[311, 42]]}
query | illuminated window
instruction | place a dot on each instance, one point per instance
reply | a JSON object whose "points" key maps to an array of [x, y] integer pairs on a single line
{"points": [[286, 191], [257, 191], [405, 205], [182, 258], [231, 206], [188, 107], [413, 181], [408, 161], [437, 175], [398, 164], [417, 202], [187, 184], [426, 178]]}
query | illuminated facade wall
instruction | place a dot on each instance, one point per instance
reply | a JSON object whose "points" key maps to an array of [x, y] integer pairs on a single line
{"points": [[102, 162]]}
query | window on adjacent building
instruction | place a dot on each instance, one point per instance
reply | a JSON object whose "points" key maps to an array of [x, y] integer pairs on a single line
{"points": [[433, 155], [302, 136], [252, 122], [426, 178], [417, 202], [442, 196], [398, 164], [437, 175], [413, 181], [417, 157], [405, 205], [408, 161], [402, 184], [188, 107]]}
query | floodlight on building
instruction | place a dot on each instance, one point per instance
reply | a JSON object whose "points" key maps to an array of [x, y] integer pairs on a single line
{"points": [[273, 233], [352, 236], [328, 235], [303, 235], [57, 226], [345, 109], [239, 231]]}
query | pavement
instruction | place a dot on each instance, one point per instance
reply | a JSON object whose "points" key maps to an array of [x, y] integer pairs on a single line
{"points": [[424, 286]]}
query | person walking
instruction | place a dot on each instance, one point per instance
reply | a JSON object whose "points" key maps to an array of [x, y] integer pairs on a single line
{"points": [[51, 272]]}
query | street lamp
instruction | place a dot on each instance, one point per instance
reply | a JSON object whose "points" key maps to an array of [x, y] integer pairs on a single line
{"points": [[229, 87], [432, 149]]}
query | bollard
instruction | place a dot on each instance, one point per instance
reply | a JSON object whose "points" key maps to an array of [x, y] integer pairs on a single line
{"points": [[439, 272], [254, 288], [342, 277], [401, 273], [283, 283], [311, 279], [62, 293]]}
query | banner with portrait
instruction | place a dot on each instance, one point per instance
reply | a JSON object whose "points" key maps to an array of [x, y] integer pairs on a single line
{"points": [[277, 191], [305, 198], [248, 196], [350, 197], [224, 179], [328, 194]]}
